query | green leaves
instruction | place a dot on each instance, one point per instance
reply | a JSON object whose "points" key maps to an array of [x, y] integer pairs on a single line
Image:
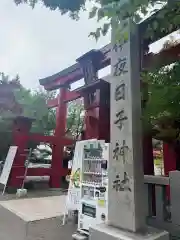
{"points": [[107, 10], [74, 118], [163, 106], [62, 5], [105, 28], [100, 14], [33, 3], [96, 34], [93, 12]]}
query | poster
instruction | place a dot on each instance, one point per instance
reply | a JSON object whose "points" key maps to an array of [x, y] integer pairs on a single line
{"points": [[73, 197]]}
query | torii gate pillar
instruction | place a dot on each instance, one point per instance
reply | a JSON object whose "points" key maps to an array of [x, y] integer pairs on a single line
{"points": [[58, 146], [21, 129]]}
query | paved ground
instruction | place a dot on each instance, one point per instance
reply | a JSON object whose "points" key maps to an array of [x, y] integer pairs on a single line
{"points": [[43, 193]]}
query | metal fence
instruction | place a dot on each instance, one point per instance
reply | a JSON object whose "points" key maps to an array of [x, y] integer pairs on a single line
{"points": [[163, 195]]}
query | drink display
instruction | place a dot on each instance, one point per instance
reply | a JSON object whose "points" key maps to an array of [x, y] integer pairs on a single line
{"points": [[88, 184], [94, 179]]}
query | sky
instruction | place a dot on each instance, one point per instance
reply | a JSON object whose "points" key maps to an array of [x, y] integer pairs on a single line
{"points": [[38, 43]]}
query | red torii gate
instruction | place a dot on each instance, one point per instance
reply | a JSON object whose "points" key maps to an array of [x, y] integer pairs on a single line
{"points": [[97, 120], [21, 137], [100, 59]]}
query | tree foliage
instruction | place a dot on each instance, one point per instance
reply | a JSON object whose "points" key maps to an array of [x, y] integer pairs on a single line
{"points": [[163, 107], [33, 105], [112, 12], [74, 119], [162, 110]]}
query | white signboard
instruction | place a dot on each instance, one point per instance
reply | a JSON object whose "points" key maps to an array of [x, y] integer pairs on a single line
{"points": [[8, 165], [74, 191], [73, 197]]}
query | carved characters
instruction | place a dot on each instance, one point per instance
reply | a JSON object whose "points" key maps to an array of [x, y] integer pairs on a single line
{"points": [[120, 118], [120, 151], [120, 103], [117, 183], [119, 67], [116, 151], [122, 185], [119, 46], [119, 92]]}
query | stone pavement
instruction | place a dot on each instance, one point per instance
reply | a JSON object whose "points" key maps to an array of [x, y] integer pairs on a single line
{"points": [[37, 217]]}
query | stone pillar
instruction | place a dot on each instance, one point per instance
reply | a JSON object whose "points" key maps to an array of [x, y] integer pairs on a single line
{"points": [[126, 178], [127, 205]]}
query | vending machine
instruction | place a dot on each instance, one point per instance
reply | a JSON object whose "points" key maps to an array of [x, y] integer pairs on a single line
{"points": [[93, 208]]}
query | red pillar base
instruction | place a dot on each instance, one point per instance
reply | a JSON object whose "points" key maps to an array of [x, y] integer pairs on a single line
{"points": [[169, 161], [148, 161], [22, 126], [169, 158]]}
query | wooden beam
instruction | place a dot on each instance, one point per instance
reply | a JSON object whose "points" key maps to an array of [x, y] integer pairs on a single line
{"points": [[169, 12], [67, 141], [39, 171], [64, 80], [52, 103], [41, 138], [164, 57], [70, 96]]}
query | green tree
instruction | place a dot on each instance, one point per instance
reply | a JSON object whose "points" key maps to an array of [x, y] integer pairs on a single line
{"points": [[75, 118], [162, 110], [33, 105]]}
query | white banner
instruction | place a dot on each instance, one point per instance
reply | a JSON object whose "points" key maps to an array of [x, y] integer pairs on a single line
{"points": [[8, 165]]}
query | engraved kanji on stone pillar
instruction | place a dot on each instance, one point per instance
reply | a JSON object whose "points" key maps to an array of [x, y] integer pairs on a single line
{"points": [[126, 178]]}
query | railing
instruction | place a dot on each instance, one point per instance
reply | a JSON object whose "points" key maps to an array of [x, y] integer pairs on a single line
{"points": [[164, 211]]}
